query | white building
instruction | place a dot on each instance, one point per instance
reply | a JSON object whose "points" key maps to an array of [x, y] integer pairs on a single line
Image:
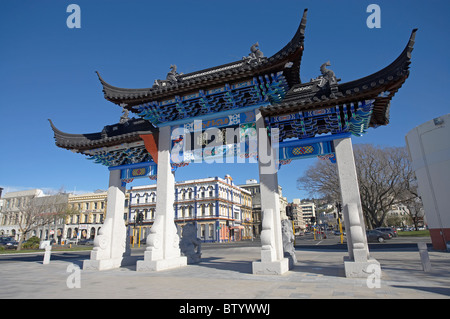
{"points": [[308, 211], [86, 219], [14, 204], [221, 210], [429, 148]]}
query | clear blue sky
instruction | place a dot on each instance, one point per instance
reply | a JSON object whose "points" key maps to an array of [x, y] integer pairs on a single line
{"points": [[47, 69]]}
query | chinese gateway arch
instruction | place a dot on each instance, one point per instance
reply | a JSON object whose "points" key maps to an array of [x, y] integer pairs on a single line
{"points": [[273, 118]]}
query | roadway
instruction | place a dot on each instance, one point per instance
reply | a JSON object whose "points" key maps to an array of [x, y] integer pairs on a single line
{"points": [[307, 242], [332, 242]]}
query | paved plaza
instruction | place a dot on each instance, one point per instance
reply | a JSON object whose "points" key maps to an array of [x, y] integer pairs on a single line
{"points": [[225, 273]]}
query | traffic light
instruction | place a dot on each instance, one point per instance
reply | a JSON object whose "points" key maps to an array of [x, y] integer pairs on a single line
{"points": [[289, 212], [139, 219]]}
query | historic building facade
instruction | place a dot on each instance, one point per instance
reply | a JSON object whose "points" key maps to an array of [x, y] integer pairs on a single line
{"points": [[86, 213], [221, 210], [89, 212], [14, 204], [253, 187]]}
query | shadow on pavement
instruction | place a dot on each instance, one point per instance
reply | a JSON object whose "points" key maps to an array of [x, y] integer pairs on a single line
{"points": [[244, 267], [435, 290]]}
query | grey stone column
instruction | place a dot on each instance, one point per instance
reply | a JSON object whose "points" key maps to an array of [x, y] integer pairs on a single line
{"points": [[111, 248], [358, 251], [163, 251], [272, 256]]}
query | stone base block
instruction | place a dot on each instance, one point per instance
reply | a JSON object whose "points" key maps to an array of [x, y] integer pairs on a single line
{"points": [[162, 264], [355, 269], [270, 268], [105, 264]]}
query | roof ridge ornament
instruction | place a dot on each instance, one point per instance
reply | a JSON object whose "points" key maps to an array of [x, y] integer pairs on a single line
{"points": [[327, 78], [172, 77], [124, 118], [255, 55]]}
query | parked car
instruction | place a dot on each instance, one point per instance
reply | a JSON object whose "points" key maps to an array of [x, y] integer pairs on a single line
{"points": [[8, 243], [377, 236], [389, 230], [87, 242], [70, 241]]}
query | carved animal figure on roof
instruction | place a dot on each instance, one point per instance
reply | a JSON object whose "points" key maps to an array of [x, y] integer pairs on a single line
{"points": [[255, 51], [171, 78], [327, 76], [255, 54], [125, 113]]}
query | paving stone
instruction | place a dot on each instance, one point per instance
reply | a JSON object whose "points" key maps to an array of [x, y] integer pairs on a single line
{"points": [[226, 274]]}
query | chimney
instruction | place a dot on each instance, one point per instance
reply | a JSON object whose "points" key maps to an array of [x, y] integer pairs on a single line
{"points": [[1, 190]]}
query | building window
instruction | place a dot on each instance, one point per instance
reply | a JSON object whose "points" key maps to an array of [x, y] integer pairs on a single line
{"points": [[211, 230], [182, 212], [145, 214]]}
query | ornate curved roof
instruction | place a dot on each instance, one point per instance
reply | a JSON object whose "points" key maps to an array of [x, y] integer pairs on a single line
{"points": [[111, 135], [287, 59], [380, 86], [298, 110]]}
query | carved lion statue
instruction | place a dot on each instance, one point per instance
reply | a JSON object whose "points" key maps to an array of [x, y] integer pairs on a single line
{"points": [[189, 243], [287, 235]]}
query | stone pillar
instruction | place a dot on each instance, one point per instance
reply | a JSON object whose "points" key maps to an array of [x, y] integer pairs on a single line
{"points": [[272, 255], [358, 251], [163, 251], [111, 248]]}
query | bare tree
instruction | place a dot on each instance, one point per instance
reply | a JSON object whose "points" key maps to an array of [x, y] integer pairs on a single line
{"points": [[41, 211], [385, 178], [321, 180], [413, 203]]}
